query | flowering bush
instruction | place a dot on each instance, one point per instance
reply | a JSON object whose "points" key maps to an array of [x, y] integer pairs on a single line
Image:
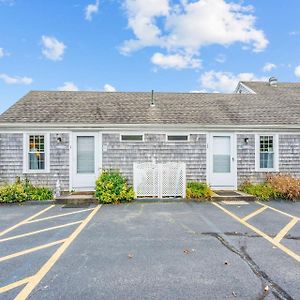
{"points": [[21, 191], [111, 187], [198, 190]]}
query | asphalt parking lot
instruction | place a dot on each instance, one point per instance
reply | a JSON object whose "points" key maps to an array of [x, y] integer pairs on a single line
{"points": [[181, 250]]}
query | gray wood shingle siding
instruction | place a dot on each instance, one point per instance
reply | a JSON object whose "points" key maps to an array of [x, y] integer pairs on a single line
{"points": [[122, 155], [289, 157], [11, 161]]}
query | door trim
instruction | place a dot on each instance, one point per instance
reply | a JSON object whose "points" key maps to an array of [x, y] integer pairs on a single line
{"points": [[98, 154], [209, 165]]}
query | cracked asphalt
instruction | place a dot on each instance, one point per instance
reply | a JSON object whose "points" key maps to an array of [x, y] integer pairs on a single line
{"points": [[181, 250]]}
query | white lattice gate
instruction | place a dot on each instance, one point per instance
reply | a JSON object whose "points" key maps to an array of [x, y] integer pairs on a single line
{"points": [[159, 180]]}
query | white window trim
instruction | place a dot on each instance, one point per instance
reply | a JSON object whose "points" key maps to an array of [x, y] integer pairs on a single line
{"points": [[26, 169], [257, 153], [132, 133], [177, 134]]}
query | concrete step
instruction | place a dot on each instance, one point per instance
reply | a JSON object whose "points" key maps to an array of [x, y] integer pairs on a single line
{"points": [[77, 199], [232, 196]]}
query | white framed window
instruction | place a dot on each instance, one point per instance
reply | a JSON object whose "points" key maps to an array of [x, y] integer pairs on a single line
{"points": [[266, 152], [132, 137], [178, 137], [36, 153]]}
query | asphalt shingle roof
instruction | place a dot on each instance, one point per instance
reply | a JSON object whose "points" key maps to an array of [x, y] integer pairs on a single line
{"points": [[286, 88], [170, 108]]}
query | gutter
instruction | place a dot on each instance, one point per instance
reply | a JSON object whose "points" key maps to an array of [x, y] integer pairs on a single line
{"points": [[154, 127]]}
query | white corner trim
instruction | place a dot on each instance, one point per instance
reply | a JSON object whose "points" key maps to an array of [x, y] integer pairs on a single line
{"points": [[276, 153], [26, 169], [241, 84]]}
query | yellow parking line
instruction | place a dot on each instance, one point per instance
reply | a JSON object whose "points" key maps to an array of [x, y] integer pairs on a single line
{"points": [[31, 250], [54, 258], [58, 216], [262, 234], [277, 210], [285, 230], [13, 285], [258, 211], [25, 221], [38, 231]]}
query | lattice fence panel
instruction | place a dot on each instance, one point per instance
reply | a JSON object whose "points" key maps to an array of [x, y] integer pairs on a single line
{"points": [[173, 180], [146, 180], [159, 180]]}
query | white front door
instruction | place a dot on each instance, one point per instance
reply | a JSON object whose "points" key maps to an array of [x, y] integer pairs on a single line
{"points": [[222, 161], [85, 160]]}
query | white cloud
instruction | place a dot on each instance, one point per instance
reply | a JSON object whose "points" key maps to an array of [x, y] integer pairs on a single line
{"points": [[142, 21], [294, 32], [221, 58], [109, 88], [176, 61], [7, 2], [15, 80], [68, 86], [225, 81], [91, 9], [190, 25], [3, 53], [198, 91], [268, 67], [53, 49], [297, 71]]}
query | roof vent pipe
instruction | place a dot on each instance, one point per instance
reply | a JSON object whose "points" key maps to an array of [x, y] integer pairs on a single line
{"points": [[152, 103], [273, 81]]}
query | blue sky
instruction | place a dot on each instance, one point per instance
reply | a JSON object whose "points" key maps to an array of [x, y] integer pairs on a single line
{"points": [[139, 45]]}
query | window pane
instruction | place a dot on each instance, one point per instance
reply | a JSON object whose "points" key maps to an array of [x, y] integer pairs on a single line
{"points": [[267, 160], [221, 154], [177, 137], [85, 154], [36, 143], [132, 137], [36, 161]]}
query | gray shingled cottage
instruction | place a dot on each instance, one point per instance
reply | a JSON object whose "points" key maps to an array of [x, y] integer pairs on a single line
{"points": [[222, 139]]}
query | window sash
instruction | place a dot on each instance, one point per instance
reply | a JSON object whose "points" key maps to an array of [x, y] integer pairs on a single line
{"points": [[36, 153], [266, 150]]}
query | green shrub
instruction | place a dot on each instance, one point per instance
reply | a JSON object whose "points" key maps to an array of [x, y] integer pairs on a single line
{"points": [[262, 191], [111, 187], [198, 190], [23, 191], [12, 193]]}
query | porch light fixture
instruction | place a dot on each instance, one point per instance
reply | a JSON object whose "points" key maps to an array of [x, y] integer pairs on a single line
{"points": [[246, 141], [58, 138]]}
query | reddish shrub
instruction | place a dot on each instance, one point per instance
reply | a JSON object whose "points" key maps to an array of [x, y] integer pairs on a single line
{"points": [[286, 185]]}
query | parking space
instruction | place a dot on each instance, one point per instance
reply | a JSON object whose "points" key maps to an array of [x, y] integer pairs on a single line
{"points": [[182, 250], [30, 246]]}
